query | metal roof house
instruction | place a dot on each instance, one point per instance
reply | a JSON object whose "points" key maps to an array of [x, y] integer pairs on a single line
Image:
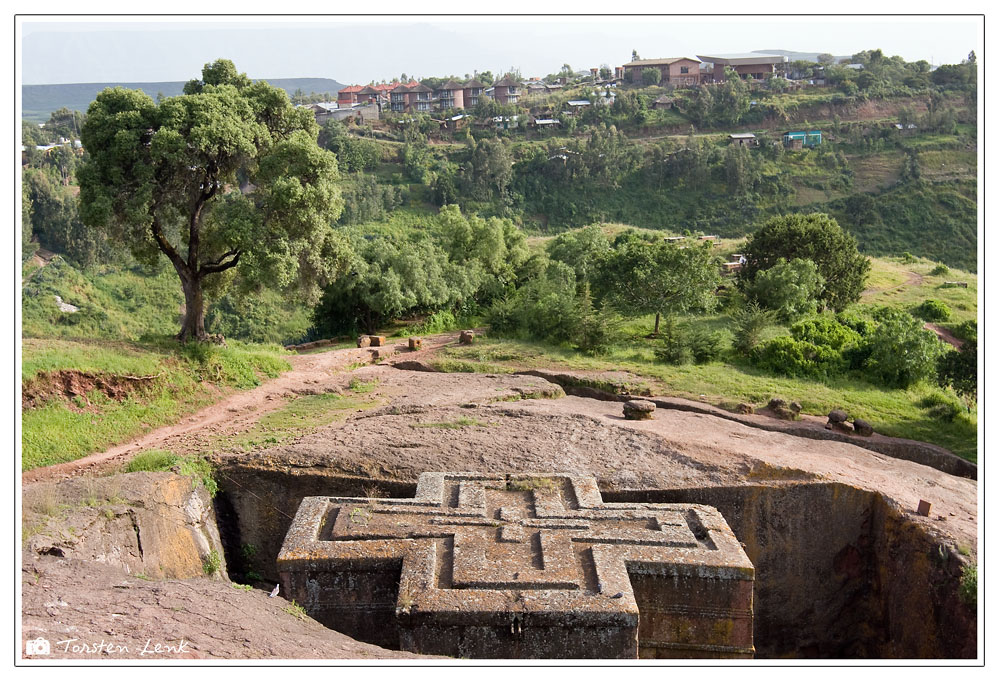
{"points": [[802, 138], [755, 65]]}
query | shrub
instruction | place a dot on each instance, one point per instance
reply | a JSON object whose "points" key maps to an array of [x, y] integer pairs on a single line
{"points": [[598, 330], [705, 345], [545, 308], [933, 310], [825, 331], [968, 585], [785, 355], [789, 288], [750, 324], [212, 563], [940, 270], [967, 331], [651, 76], [862, 325], [152, 460], [675, 349], [900, 351], [960, 370]]}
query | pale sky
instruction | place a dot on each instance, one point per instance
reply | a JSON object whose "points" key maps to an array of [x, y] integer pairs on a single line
{"points": [[358, 50]]}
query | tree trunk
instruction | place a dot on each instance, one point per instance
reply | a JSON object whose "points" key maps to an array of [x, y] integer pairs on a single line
{"points": [[193, 327], [656, 325]]}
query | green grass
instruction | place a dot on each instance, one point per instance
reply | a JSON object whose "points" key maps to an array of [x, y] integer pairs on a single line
{"points": [[50, 355], [187, 378], [890, 277], [893, 412], [122, 303], [300, 415], [152, 460]]}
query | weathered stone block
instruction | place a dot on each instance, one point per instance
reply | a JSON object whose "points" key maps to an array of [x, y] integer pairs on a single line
{"points": [[638, 409], [924, 508], [522, 566], [364, 341], [415, 342], [837, 416], [467, 336], [377, 340], [863, 428]]}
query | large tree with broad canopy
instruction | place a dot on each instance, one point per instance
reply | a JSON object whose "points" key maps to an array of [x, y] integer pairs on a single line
{"points": [[226, 177]]}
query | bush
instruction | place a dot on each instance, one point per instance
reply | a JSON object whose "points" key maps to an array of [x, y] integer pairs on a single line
{"points": [[152, 460], [966, 331], [825, 331], [859, 323], [705, 345], [968, 585], [940, 270], [750, 324], [900, 351], [787, 356], [651, 76], [598, 330], [960, 370], [789, 288], [545, 308], [675, 349], [933, 310]]}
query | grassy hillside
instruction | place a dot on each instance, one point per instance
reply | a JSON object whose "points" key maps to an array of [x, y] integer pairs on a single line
{"points": [[39, 101], [121, 390], [130, 304]]}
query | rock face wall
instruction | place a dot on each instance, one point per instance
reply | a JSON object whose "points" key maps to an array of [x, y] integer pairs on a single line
{"points": [[841, 572], [158, 525], [522, 566]]}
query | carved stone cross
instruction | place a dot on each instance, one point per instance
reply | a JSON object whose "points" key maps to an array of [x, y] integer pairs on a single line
{"points": [[522, 566]]}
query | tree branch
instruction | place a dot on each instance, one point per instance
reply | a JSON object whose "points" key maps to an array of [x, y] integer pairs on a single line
{"points": [[219, 266], [166, 247]]}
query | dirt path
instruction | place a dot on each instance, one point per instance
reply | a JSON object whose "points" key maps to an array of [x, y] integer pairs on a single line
{"points": [[311, 374], [944, 335]]}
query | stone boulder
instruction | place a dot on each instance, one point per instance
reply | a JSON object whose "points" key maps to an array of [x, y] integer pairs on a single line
{"points": [[638, 409], [837, 416], [415, 342], [863, 428], [364, 341]]}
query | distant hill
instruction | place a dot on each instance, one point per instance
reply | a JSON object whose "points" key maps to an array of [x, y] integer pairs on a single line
{"points": [[804, 56], [39, 101]]}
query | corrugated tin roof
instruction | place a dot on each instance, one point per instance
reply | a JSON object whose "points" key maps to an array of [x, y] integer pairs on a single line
{"points": [[743, 58], [654, 62]]}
